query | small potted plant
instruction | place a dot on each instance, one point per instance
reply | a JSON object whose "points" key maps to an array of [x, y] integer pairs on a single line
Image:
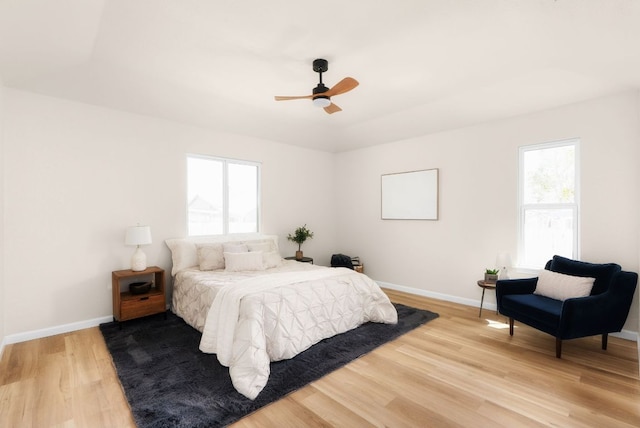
{"points": [[491, 275], [300, 235]]}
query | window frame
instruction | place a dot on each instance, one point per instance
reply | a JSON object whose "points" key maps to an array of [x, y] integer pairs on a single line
{"points": [[523, 208], [225, 191]]}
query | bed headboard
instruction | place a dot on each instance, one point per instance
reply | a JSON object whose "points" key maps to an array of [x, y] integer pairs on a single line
{"points": [[184, 251]]}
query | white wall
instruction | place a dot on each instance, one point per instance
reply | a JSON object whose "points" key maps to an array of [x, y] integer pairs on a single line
{"points": [[478, 197], [77, 175], [69, 194], [2, 305]]}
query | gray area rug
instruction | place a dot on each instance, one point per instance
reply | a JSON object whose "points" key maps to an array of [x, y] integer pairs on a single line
{"points": [[170, 383]]}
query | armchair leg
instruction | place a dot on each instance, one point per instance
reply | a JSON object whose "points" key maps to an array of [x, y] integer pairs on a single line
{"points": [[510, 326], [558, 347], [605, 337]]}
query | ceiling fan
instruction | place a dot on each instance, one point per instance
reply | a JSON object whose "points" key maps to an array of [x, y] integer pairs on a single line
{"points": [[321, 95]]}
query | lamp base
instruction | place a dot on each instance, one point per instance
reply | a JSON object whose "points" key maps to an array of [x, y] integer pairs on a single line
{"points": [[138, 260]]}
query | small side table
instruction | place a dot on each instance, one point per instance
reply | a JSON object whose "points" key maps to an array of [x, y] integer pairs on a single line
{"points": [[485, 286], [127, 306], [302, 260]]}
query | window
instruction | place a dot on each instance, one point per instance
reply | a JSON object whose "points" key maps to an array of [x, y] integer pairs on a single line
{"points": [[222, 196], [549, 202]]}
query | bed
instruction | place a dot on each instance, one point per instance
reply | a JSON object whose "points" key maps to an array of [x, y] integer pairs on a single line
{"points": [[254, 307]]}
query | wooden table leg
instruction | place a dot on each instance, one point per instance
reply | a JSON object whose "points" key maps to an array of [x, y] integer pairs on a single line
{"points": [[481, 301]]}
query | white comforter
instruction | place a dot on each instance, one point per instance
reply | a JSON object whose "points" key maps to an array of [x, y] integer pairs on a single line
{"points": [[275, 317]]}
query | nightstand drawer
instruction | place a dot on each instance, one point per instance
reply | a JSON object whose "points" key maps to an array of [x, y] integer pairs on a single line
{"points": [[141, 306]]}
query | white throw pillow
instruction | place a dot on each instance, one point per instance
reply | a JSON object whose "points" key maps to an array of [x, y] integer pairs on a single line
{"points": [[235, 247], [236, 262], [259, 246], [210, 256], [562, 287], [271, 259]]}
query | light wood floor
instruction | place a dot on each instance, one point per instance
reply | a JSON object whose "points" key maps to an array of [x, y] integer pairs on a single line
{"points": [[458, 370]]}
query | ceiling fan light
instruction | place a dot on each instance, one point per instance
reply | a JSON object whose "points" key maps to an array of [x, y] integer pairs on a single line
{"points": [[321, 102]]}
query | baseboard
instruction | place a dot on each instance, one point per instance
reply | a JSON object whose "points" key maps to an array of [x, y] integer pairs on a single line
{"points": [[624, 334], [627, 335], [2, 344], [52, 331]]}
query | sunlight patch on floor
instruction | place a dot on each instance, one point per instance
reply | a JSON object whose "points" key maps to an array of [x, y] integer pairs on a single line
{"points": [[497, 324]]}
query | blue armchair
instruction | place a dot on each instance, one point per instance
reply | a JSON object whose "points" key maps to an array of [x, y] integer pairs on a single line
{"points": [[604, 311]]}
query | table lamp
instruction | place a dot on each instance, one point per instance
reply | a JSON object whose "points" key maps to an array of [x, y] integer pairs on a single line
{"points": [[138, 235], [503, 262]]}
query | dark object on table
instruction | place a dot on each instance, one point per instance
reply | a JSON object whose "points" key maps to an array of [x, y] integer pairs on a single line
{"points": [[139, 287]]}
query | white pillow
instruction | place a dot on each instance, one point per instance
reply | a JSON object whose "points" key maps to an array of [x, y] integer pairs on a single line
{"points": [[259, 246], [562, 287], [271, 259], [235, 262], [183, 254], [210, 256], [235, 247]]}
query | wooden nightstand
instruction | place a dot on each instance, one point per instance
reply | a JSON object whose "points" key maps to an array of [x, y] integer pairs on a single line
{"points": [[302, 260], [128, 306]]}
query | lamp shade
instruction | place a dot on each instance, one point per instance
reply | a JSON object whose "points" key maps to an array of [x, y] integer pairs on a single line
{"points": [[138, 235]]}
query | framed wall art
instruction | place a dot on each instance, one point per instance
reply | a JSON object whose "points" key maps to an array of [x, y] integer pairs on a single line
{"points": [[410, 195]]}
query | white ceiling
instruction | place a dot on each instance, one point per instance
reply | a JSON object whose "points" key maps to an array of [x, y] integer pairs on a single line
{"points": [[423, 65]]}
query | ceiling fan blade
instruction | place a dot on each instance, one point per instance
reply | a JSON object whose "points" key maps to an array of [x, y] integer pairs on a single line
{"points": [[332, 108], [345, 85], [278, 98]]}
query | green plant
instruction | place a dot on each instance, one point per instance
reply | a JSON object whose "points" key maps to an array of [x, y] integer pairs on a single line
{"points": [[300, 235], [492, 271]]}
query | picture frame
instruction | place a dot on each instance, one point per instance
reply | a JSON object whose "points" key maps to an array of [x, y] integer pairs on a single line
{"points": [[411, 195]]}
